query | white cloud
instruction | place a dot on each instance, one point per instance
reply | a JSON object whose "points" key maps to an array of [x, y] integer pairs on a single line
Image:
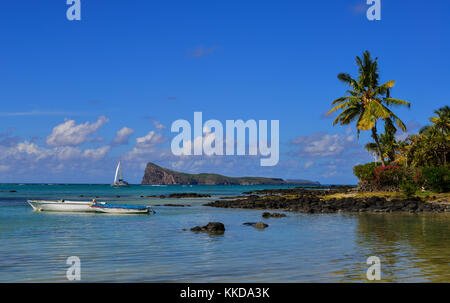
{"points": [[324, 145], [148, 148], [29, 157], [30, 149], [329, 174], [96, 154], [151, 139], [65, 153], [33, 163], [309, 164], [158, 125], [69, 133], [122, 136]]}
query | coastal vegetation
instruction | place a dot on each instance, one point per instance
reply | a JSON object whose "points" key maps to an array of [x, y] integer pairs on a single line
{"points": [[367, 101], [418, 162]]}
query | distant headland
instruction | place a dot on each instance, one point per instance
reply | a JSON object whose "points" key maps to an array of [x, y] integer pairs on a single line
{"points": [[155, 174]]}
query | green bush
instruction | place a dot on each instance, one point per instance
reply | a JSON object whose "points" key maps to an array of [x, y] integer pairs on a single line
{"points": [[437, 178], [366, 172], [408, 188], [389, 175]]}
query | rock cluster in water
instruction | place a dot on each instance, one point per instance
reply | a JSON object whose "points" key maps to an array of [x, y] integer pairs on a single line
{"points": [[211, 227], [188, 195], [180, 195], [174, 205], [313, 202], [272, 215], [258, 225]]}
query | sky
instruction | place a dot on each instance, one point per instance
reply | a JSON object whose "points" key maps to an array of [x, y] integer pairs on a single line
{"points": [[77, 96]]}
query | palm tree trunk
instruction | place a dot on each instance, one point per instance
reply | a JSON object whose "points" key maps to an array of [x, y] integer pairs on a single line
{"points": [[375, 137], [438, 157]]}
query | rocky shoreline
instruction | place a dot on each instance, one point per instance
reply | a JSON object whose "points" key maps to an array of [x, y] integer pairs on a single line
{"points": [[179, 196], [316, 201]]}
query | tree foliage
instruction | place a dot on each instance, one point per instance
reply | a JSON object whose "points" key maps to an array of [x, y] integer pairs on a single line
{"points": [[367, 101]]}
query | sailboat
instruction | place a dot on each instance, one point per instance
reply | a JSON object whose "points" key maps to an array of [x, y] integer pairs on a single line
{"points": [[118, 180]]}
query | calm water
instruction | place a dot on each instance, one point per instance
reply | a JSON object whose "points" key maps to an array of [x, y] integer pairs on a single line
{"points": [[139, 248]]}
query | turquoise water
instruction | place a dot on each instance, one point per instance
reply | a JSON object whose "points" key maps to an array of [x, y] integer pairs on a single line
{"points": [[34, 246]]}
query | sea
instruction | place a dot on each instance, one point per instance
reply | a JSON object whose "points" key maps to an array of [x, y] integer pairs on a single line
{"points": [[35, 246]]}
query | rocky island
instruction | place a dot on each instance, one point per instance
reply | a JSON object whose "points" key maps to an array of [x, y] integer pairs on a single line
{"points": [[155, 174]]}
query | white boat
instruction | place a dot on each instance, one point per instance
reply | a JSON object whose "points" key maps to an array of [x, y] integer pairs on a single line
{"points": [[122, 209], [118, 180], [88, 206], [62, 205]]}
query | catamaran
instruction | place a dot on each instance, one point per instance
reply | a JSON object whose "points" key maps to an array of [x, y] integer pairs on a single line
{"points": [[118, 180], [89, 206]]}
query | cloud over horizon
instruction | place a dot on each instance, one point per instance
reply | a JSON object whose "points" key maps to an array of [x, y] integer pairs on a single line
{"points": [[324, 145], [75, 147], [69, 133], [122, 136]]}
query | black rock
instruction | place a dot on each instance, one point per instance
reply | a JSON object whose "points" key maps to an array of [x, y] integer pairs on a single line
{"points": [[177, 205], [260, 225], [188, 195], [272, 215], [211, 227]]}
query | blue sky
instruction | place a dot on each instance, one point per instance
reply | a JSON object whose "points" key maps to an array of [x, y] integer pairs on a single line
{"points": [[137, 66]]}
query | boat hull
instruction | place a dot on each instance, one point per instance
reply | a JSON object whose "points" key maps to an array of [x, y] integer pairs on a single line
{"points": [[90, 207], [119, 185], [121, 209], [66, 206]]}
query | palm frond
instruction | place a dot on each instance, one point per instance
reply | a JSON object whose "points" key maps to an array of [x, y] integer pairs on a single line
{"points": [[398, 102], [342, 105]]}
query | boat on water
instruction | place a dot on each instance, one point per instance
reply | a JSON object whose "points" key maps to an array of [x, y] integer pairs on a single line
{"points": [[88, 206], [62, 205], [122, 209], [118, 179]]}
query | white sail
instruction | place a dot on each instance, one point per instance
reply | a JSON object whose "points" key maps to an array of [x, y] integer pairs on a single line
{"points": [[118, 175]]}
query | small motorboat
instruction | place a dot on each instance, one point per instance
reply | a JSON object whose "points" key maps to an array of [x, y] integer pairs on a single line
{"points": [[62, 205], [89, 206], [121, 208]]}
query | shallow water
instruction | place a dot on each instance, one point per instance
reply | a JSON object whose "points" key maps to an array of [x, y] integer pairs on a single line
{"points": [[34, 246]]}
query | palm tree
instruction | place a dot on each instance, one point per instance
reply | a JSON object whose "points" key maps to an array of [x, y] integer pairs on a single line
{"points": [[437, 135], [442, 120], [389, 145], [404, 147], [367, 101], [442, 123]]}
